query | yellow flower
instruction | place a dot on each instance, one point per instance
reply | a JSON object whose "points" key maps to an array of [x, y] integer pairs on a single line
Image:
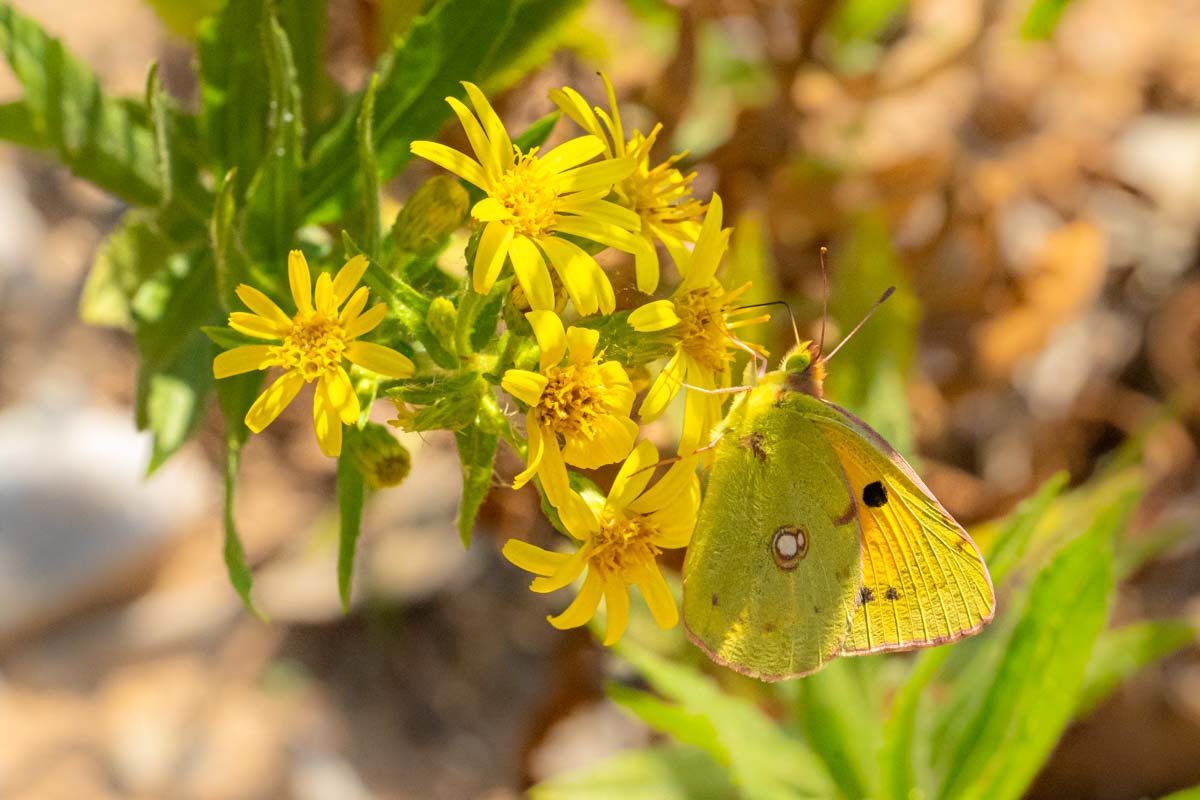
{"points": [[660, 195], [583, 403], [533, 200], [312, 345], [702, 318], [621, 537]]}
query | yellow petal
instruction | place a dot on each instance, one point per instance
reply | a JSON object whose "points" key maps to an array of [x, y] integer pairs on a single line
{"points": [[566, 573], [524, 385], [602, 210], [490, 256], [341, 394], [300, 281], [273, 401], [366, 322], [532, 558], [673, 487], [448, 158], [478, 139], [533, 451], [532, 273], [379, 359], [489, 209], [635, 473], [572, 153], [326, 422], [348, 277], [663, 390], [601, 175], [616, 604], [247, 358], [551, 338], [324, 295], [496, 134], [656, 316], [701, 267], [262, 305], [645, 260], [614, 122], [586, 283], [571, 103], [256, 326], [581, 344], [583, 607], [353, 307], [658, 596]]}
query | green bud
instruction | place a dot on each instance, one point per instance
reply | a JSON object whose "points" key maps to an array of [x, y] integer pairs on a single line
{"points": [[435, 210], [382, 460], [442, 319]]}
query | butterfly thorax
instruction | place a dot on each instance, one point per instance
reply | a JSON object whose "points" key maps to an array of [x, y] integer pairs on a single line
{"points": [[804, 371]]}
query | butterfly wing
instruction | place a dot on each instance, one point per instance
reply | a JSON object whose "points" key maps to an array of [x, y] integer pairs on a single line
{"points": [[924, 580], [772, 572]]}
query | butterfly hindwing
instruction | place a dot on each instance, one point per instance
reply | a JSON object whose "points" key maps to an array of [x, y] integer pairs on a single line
{"points": [[924, 581], [746, 603]]}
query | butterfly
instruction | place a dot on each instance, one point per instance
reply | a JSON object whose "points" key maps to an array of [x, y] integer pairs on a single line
{"points": [[816, 539]]}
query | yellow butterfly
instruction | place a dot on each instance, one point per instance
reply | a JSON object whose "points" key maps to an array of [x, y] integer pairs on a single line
{"points": [[816, 539]]}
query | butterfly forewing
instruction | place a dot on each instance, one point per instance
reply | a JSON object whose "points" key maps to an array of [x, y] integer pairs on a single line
{"points": [[923, 579]]}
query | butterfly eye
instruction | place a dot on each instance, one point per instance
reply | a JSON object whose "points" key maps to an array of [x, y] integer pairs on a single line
{"points": [[789, 545]]}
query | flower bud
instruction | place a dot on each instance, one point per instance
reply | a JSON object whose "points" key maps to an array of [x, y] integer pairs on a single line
{"points": [[442, 319], [382, 460], [433, 212]]}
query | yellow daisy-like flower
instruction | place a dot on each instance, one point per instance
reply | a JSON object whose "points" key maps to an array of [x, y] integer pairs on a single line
{"points": [[533, 200], [578, 410], [621, 537], [660, 195], [311, 347], [702, 317]]}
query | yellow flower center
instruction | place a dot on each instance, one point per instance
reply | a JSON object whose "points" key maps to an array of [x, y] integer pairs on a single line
{"points": [[662, 194], [527, 191], [314, 345], [703, 332], [572, 401], [624, 544]]}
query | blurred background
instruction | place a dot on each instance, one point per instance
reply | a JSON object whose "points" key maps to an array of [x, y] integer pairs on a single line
{"points": [[1033, 186]]}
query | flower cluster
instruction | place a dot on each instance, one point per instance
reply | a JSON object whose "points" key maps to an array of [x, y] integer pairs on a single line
{"points": [[544, 215]]}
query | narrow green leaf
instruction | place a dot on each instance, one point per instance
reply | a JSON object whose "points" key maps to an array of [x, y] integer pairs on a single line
{"points": [[130, 255], [840, 725], [1122, 652], [235, 555], [537, 27], [176, 397], [668, 718], [230, 261], [234, 92], [101, 140], [1035, 688], [765, 762], [658, 773], [426, 389], [17, 126], [304, 21], [1042, 19], [350, 504], [368, 170], [477, 454], [183, 200], [272, 199], [1014, 535], [1135, 552], [1184, 794]]}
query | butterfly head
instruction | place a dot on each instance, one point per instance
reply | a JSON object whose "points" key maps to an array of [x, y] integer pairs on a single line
{"points": [[804, 369]]}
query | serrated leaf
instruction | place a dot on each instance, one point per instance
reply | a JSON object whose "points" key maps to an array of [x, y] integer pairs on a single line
{"points": [[765, 762], [1120, 653], [99, 139], [658, 773], [350, 505], [426, 389], [368, 171], [477, 455], [1035, 686], [305, 21], [230, 262]]}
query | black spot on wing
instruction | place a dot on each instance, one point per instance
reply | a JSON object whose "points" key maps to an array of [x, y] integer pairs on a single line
{"points": [[715, 601], [892, 594], [865, 595], [875, 494]]}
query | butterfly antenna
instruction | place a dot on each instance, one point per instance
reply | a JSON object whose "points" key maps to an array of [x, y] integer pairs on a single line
{"points": [[862, 322], [824, 299], [791, 316]]}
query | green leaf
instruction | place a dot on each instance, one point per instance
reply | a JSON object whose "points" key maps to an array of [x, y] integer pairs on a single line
{"points": [[350, 504], [1013, 538], [477, 454], [1122, 652], [368, 171], [1134, 552], [235, 555], [668, 718], [658, 773], [426, 389], [764, 761], [1042, 19], [183, 200], [230, 262], [17, 126], [175, 398], [101, 140], [1184, 794], [272, 199], [442, 47], [304, 21], [537, 27], [234, 92], [839, 724], [1035, 687], [130, 255]]}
